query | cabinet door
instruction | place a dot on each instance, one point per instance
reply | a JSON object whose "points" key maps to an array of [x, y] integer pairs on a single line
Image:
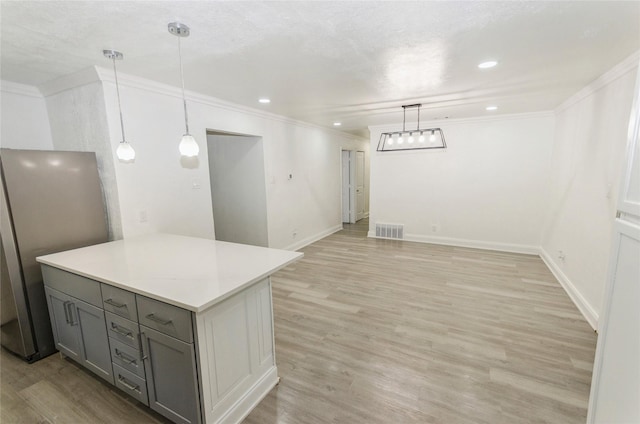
{"points": [[170, 370], [92, 327], [64, 333]]}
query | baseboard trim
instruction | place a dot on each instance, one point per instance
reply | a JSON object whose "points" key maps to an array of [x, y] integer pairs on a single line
{"points": [[474, 244], [312, 239], [581, 303]]}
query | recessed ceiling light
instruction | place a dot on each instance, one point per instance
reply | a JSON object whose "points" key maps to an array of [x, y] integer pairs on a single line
{"points": [[487, 64], [264, 100], [337, 124], [492, 107]]}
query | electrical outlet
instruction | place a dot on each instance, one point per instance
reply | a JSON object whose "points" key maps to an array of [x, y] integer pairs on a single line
{"points": [[435, 228], [142, 216]]}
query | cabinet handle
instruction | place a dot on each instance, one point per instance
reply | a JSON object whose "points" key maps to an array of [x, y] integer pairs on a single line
{"points": [[116, 329], [115, 304], [70, 306], [128, 385], [65, 306], [153, 318], [125, 357], [142, 336]]}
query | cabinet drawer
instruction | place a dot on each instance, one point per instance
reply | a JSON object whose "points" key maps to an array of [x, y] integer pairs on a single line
{"points": [[80, 287], [130, 383], [165, 318], [123, 330], [127, 357], [120, 302]]}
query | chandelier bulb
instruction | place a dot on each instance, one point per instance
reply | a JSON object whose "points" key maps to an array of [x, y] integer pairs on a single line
{"points": [[410, 140], [421, 138], [432, 137]]}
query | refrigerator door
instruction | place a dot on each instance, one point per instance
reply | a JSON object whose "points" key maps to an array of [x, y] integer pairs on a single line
{"points": [[15, 325], [55, 203]]}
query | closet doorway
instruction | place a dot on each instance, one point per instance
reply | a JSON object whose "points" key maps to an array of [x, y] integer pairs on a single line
{"points": [[353, 190], [238, 188]]}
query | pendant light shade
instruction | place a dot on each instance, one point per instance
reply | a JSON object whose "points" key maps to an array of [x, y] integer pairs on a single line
{"points": [[124, 151], [188, 145]]}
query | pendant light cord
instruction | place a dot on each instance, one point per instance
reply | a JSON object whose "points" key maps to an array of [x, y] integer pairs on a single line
{"points": [[118, 92], [184, 99]]}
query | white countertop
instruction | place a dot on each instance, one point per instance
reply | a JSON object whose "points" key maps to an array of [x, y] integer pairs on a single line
{"points": [[188, 272]]}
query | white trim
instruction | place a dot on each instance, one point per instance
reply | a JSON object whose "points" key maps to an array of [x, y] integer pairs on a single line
{"points": [[21, 89], [78, 79], [444, 122], [307, 241], [243, 407], [474, 244], [581, 303], [366, 214], [99, 74], [608, 77]]}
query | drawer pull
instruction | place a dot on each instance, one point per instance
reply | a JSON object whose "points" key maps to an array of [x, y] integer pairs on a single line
{"points": [[161, 321], [128, 385], [125, 357], [115, 304], [116, 329]]}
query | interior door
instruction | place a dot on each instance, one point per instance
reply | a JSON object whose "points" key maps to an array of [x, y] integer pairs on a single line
{"points": [[346, 187], [359, 185]]}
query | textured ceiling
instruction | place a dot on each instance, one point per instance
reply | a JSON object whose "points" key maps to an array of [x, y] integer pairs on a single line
{"points": [[351, 61]]}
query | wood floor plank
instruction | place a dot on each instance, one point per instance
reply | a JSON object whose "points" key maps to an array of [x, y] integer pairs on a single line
{"points": [[436, 334]]}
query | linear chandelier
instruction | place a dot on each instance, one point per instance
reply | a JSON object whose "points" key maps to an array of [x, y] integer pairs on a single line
{"points": [[418, 139]]}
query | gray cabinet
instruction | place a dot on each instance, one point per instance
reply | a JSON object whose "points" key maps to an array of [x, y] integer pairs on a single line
{"points": [[171, 376], [80, 332]]}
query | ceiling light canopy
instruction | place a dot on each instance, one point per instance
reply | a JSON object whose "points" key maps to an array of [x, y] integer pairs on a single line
{"points": [[188, 146], [418, 139], [124, 151], [264, 100], [488, 64], [337, 124], [492, 108]]}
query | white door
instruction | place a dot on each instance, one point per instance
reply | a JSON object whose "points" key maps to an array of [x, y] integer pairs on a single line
{"points": [[346, 187], [359, 186], [615, 384]]}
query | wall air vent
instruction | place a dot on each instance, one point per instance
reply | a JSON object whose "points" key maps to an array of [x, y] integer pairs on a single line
{"points": [[391, 231]]}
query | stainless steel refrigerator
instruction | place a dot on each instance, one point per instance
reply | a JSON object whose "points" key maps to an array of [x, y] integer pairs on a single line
{"points": [[50, 202]]}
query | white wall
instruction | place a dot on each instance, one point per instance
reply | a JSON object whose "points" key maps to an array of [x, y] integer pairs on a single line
{"points": [[78, 123], [161, 185], [24, 123], [487, 189], [590, 140], [238, 189]]}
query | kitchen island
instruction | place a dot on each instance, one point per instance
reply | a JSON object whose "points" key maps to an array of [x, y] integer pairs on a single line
{"points": [[184, 325]]}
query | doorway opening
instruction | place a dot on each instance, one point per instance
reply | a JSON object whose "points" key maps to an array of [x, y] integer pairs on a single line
{"points": [[353, 190], [238, 187]]}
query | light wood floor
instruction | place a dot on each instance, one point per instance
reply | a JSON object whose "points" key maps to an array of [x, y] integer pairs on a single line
{"points": [[380, 331]]}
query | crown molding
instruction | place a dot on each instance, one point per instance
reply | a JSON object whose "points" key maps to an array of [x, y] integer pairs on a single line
{"points": [[21, 89], [621, 69], [106, 75], [443, 122], [67, 82]]}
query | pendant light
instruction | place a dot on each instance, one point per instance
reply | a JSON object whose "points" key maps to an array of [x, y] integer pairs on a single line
{"points": [[392, 141], [124, 151], [188, 146]]}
